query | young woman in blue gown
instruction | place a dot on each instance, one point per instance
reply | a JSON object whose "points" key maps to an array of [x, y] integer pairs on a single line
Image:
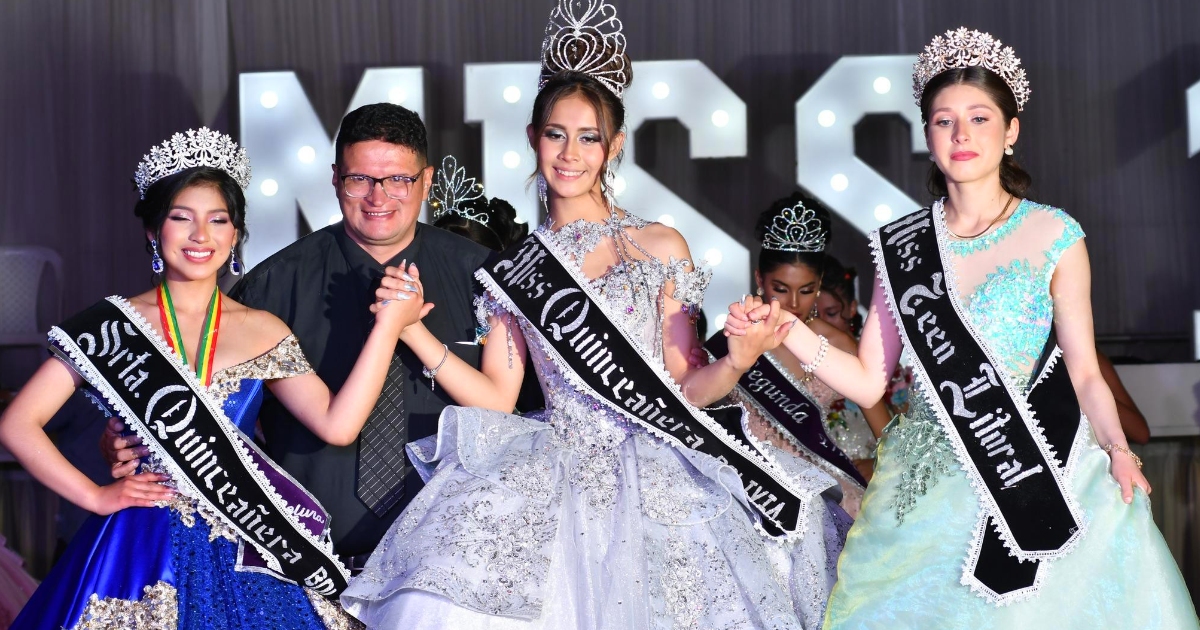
{"points": [[152, 557]]}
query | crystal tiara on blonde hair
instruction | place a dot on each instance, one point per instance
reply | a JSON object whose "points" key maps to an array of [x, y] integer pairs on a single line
{"points": [[585, 36], [963, 49], [196, 147]]}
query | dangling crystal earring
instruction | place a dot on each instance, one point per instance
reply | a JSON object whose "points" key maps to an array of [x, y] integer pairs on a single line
{"points": [[758, 291], [1008, 150], [609, 186], [541, 188], [235, 265], [156, 262], [931, 158], [814, 313]]}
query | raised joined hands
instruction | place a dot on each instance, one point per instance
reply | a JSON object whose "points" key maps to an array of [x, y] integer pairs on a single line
{"points": [[754, 327], [400, 298]]}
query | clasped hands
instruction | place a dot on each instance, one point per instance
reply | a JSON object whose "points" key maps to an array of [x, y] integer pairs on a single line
{"points": [[754, 327], [399, 303], [400, 298]]}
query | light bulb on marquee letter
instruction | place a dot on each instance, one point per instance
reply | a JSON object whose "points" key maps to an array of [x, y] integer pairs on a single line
{"points": [[826, 165], [1193, 116], [695, 94], [301, 177]]}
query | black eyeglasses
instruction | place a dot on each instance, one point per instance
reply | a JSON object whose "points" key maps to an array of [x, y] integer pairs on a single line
{"points": [[397, 187]]}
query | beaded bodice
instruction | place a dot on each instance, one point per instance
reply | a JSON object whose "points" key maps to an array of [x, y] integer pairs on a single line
{"points": [[285, 360], [635, 290], [634, 286], [1003, 284], [1003, 280]]}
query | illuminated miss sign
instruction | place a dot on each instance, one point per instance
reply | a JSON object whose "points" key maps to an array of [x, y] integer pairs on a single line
{"points": [[1193, 109], [826, 114], [291, 151]]}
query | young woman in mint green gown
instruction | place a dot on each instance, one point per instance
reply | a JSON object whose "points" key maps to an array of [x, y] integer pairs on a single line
{"points": [[1016, 267]]}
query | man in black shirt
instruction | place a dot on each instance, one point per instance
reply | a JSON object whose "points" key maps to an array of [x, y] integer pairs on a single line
{"points": [[322, 285]]}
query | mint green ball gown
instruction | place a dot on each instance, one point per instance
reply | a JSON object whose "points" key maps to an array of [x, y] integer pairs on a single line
{"points": [[903, 563]]}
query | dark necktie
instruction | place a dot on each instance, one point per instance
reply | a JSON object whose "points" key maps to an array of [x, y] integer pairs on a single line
{"points": [[381, 459]]}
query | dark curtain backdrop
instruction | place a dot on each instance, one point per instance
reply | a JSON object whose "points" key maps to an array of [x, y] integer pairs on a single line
{"points": [[88, 87]]}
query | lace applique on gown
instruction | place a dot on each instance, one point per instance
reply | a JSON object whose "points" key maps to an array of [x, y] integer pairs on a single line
{"points": [[576, 519]]}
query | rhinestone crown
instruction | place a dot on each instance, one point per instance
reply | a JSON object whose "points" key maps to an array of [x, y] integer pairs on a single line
{"points": [[962, 49], [451, 189], [795, 229], [196, 147], [585, 36]]}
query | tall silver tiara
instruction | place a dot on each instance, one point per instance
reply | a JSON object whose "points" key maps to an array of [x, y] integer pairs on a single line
{"points": [[451, 189], [962, 49], [585, 36], [196, 147], [795, 229]]}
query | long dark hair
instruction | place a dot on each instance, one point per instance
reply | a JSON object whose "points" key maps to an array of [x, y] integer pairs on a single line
{"points": [[838, 281], [1013, 178], [153, 210], [770, 259], [610, 111]]}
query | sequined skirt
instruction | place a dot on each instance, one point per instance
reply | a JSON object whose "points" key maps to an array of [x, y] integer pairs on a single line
{"points": [[145, 568], [519, 526], [904, 556]]}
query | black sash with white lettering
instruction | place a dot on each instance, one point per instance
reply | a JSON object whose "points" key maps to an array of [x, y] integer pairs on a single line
{"points": [[596, 356], [791, 407], [116, 352], [990, 422]]}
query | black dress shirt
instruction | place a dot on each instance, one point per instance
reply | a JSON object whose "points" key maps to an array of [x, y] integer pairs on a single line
{"points": [[321, 286]]}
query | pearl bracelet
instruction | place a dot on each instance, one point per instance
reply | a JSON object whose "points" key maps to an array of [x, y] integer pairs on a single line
{"points": [[809, 368]]}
